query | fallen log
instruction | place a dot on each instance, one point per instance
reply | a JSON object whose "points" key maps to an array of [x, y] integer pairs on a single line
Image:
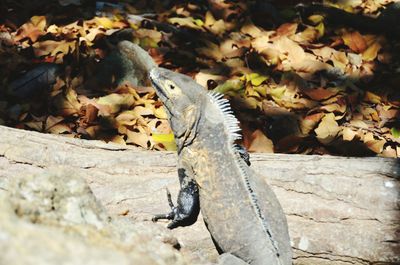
{"points": [[340, 210]]}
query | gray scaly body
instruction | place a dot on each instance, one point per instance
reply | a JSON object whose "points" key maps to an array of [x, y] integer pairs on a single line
{"points": [[241, 212]]}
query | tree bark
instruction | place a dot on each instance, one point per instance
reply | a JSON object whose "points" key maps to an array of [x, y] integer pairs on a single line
{"points": [[340, 210]]}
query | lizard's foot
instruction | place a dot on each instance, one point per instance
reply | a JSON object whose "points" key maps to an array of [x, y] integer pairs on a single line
{"points": [[184, 214]]}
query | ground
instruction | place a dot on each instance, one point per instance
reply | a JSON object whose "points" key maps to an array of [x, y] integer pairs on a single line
{"points": [[300, 78]]}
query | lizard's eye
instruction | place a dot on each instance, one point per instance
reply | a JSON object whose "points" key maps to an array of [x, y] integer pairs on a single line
{"points": [[172, 87]]}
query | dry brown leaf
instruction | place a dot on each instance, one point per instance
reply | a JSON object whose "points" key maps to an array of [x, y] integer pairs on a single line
{"points": [[32, 29], [258, 142], [371, 97], [118, 139], [202, 78], [210, 50], [112, 103], [287, 29], [371, 52], [67, 103], [51, 47], [52, 120], [309, 122], [59, 129], [327, 129], [321, 93], [138, 138], [348, 134], [374, 144], [250, 29], [355, 41]]}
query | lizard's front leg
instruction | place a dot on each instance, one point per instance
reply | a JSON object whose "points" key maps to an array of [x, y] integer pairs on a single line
{"points": [[188, 205]]}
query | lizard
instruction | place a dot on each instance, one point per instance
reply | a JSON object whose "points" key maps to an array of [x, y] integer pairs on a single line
{"points": [[241, 212]]}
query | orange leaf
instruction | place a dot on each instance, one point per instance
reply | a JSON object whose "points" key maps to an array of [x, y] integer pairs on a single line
{"points": [[320, 93], [287, 29], [355, 41], [258, 142], [32, 29]]}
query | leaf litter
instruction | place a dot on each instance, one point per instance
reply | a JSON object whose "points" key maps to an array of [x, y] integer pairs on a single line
{"points": [[297, 87]]}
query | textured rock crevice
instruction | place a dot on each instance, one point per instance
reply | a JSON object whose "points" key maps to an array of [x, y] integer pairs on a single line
{"points": [[340, 210], [53, 218]]}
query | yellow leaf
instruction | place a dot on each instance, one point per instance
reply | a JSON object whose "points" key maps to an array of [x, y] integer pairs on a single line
{"points": [[198, 22], [315, 19], [371, 97], [160, 113], [184, 21], [209, 19], [167, 140], [321, 29], [256, 79], [277, 93], [371, 52], [39, 22], [105, 22], [327, 129]]}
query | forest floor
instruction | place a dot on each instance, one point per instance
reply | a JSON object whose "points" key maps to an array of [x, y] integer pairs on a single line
{"points": [[298, 80]]}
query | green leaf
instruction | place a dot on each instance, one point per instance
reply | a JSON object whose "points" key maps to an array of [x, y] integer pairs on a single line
{"points": [[230, 85], [395, 132], [255, 79]]}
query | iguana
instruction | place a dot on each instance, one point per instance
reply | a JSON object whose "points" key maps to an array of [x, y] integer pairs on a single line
{"points": [[241, 212]]}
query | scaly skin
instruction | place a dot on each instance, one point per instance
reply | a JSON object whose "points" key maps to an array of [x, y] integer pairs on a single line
{"points": [[241, 212]]}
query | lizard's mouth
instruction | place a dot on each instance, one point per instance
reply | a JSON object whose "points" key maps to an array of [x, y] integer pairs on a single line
{"points": [[160, 92]]}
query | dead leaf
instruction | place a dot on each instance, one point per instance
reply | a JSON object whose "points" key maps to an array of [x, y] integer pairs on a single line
{"points": [[67, 103], [375, 145], [355, 41], [327, 129], [348, 134], [114, 102], [321, 93], [371, 52], [32, 29], [309, 122], [258, 142], [371, 97], [138, 138], [287, 29], [51, 47]]}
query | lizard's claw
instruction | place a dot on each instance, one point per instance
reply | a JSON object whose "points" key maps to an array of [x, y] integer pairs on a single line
{"points": [[167, 216]]}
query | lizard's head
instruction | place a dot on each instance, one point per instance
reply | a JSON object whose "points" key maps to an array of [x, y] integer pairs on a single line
{"points": [[178, 92], [182, 98]]}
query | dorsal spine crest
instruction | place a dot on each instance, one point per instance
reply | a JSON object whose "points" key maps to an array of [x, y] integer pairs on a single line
{"points": [[230, 121]]}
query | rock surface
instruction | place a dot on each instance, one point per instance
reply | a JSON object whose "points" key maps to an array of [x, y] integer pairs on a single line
{"points": [[340, 210], [53, 218]]}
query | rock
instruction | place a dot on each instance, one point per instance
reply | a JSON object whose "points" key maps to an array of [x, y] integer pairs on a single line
{"points": [[127, 63], [53, 218]]}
